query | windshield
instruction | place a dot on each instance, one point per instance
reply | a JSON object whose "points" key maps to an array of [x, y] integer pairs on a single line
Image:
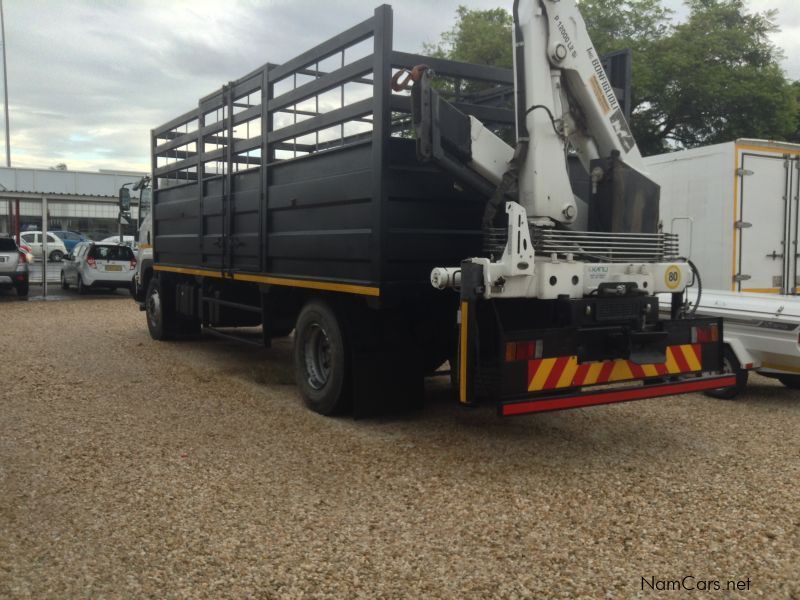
{"points": [[8, 245], [111, 253], [145, 200]]}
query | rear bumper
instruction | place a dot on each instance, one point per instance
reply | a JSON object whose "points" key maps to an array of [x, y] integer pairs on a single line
{"points": [[512, 408], [115, 283], [14, 278]]}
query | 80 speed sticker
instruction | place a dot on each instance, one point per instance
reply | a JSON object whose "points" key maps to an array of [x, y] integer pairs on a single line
{"points": [[672, 277]]}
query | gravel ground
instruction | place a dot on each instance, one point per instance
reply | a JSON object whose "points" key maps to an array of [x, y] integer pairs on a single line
{"points": [[132, 468]]}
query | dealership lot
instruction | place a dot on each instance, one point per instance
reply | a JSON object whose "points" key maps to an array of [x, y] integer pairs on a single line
{"points": [[191, 468]]}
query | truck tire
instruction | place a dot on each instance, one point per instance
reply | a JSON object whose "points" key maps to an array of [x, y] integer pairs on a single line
{"points": [[320, 359], [790, 381], [158, 308], [730, 365]]}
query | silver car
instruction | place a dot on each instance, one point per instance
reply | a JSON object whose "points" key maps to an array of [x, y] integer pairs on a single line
{"points": [[13, 266], [96, 265]]}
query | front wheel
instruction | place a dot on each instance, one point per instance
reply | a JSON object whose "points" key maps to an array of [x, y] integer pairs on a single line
{"points": [[320, 360], [159, 314], [730, 366], [56, 256]]}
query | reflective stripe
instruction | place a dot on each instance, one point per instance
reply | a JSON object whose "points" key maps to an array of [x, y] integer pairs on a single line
{"points": [[282, 281]]}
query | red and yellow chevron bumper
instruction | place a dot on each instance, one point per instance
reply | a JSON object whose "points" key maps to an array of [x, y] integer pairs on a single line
{"points": [[565, 372]]}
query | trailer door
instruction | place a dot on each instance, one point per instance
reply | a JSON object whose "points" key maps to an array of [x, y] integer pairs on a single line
{"points": [[767, 223]]}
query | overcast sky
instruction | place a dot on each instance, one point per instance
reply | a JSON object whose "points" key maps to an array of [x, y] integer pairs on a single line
{"points": [[88, 79]]}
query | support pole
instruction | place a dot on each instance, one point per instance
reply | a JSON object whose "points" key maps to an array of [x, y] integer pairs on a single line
{"points": [[44, 247]]}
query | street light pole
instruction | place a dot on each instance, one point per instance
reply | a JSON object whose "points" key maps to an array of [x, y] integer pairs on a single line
{"points": [[5, 86], [5, 104]]}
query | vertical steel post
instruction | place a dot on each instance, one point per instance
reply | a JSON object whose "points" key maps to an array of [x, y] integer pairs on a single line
{"points": [[44, 247], [5, 86]]}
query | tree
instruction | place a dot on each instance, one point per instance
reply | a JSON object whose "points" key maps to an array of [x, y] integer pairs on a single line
{"points": [[719, 78], [712, 78], [479, 36]]}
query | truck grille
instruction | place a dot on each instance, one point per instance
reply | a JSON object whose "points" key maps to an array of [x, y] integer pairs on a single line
{"points": [[606, 247]]}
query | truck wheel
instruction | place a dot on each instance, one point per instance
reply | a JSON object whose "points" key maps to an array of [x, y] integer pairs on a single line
{"points": [[319, 359], [790, 381], [160, 318], [730, 365]]}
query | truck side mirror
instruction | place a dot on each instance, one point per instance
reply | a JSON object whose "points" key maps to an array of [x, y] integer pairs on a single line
{"points": [[124, 199]]}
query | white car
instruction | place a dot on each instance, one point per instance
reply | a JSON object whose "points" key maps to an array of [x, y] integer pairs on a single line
{"points": [[97, 265], [56, 250], [128, 240]]}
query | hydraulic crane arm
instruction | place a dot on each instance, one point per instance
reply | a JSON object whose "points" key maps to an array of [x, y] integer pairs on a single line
{"points": [[564, 98]]}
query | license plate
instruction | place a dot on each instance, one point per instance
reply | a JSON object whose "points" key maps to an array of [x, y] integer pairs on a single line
{"points": [[113, 268]]}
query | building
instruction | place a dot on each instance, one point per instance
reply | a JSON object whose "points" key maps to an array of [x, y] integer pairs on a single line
{"points": [[79, 201]]}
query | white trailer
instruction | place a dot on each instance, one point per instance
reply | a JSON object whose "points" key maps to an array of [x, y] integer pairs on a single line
{"points": [[735, 206]]}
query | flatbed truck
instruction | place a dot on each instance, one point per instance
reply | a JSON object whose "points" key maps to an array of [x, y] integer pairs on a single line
{"points": [[364, 199]]}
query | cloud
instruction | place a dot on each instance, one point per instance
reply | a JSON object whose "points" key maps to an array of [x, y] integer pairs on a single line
{"points": [[88, 79]]}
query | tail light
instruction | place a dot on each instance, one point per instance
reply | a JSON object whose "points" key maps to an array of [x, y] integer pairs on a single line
{"points": [[523, 350], [133, 264], [23, 258], [91, 262], [703, 335]]}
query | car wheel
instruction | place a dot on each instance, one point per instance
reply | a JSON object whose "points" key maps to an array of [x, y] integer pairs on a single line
{"points": [[22, 289], [790, 381], [320, 360], [82, 289], [730, 366], [56, 256], [160, 317], [64, 283]]}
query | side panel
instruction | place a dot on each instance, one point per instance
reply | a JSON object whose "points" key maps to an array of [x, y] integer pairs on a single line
{"points": [[320, 217], [430, 221], [697, 203]]}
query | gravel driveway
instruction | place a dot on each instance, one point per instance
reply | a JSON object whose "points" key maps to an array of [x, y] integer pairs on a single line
{"points": [[191, 469]]}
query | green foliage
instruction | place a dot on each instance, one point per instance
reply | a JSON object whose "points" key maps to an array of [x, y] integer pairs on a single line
{"points": [[479, 36], [712, 78]]}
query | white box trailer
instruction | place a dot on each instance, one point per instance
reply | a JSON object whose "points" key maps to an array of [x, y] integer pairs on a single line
{"points": [[735, 207]]}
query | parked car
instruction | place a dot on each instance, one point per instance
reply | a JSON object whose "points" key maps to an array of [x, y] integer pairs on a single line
{"points": [[56, 250], [127, 240], [97, 265], [70, 238], [13, 266]]}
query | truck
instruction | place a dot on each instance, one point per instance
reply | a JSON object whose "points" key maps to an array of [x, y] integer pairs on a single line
{"points": [[394, 212], [735, 207]]}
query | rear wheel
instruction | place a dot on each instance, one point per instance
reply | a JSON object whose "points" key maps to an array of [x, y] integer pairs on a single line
{"points": [[319, 359], [82, 289], [790, 381], [64, 283], [22, 289], [730, 366]]}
